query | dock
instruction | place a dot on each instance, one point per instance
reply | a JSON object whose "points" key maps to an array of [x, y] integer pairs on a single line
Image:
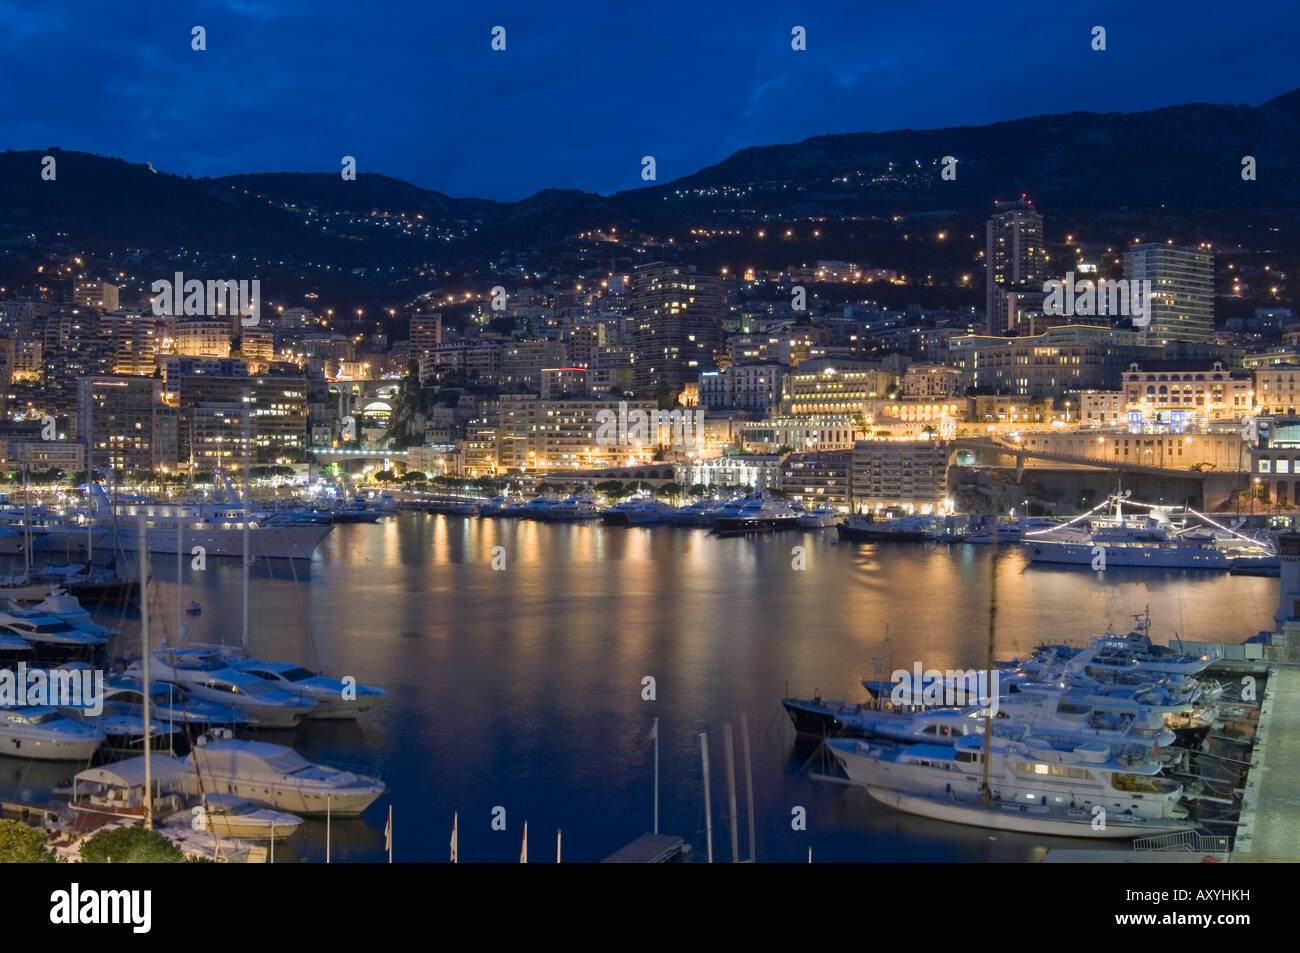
{"points": [[1270, 817], [650, 849]]}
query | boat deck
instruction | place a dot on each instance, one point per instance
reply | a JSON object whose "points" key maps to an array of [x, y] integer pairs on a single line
{"points": [[1271, 824]]}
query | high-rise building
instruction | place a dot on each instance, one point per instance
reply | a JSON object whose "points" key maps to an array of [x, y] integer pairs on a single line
{"points": [[1182, 291], [95, 294], [425, 335], [126, 422], [1014, 259], [677, 317]]}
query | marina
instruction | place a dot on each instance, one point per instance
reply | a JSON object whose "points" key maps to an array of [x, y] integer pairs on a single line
{"points": [[329, 615]]}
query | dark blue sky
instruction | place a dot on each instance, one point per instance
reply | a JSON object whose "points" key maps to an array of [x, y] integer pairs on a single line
{"points": [[586, 88]]}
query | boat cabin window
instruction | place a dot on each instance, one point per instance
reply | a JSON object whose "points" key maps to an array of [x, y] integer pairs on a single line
{"points": [[970, 756], [295, 674]]}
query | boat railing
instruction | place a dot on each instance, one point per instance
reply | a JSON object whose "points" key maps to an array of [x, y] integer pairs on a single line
{"points": [[1193, 841]]}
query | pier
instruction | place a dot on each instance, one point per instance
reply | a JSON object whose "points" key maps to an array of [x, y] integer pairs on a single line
{"points": [[1270, 817]]}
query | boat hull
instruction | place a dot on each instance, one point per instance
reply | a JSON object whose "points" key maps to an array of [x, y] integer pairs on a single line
{"points": [[1084, 554], [274, 542], [45, 749], [1022, 821]]}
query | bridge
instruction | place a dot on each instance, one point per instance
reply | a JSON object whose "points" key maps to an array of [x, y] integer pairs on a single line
{"points": [[991, 447], [342, 455]]}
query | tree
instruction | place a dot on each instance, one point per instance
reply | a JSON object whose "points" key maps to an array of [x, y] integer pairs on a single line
{"points": [[671, 490], [384, 476], [130, 845], [22, 844], [612, 488], [414, 476]]}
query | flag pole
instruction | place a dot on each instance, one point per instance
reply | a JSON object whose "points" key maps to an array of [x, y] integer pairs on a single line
{"points": [[557, 844], [455, 858], [523, 851], [327, 828]]}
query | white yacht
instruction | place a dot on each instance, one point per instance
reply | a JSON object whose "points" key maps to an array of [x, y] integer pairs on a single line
{"points": [[334, 698], [1152, 542], [229, 815], [44, 734], [1087, 790], [217, 527], [169, 703], [51, 637], [61, 604], [820, 518], [278, 777], [208, 676], [571, 510]]}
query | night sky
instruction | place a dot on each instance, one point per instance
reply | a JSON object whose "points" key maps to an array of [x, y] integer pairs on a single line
{"points": [[586, 88]]}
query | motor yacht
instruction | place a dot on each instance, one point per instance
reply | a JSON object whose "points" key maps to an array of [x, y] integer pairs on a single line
{"points": [[278, 777], [1086, 790], [334, 698], [43, 733], [208, 676]]}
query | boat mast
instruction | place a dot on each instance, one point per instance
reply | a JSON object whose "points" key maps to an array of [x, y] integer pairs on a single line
{"points": [[985, 793], [27, 532], [144, 669], [247, 440]]}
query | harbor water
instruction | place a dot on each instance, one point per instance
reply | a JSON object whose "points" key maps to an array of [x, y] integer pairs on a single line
{"points": [[516, 654]]}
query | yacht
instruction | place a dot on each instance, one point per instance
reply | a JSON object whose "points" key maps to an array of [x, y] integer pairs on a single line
{"points": [[1152, 542], [864, 528], [118, 789], [170, 703], [229, 815], [14, 650], [1040, 788], [217, 527], [639, 511], [571, 510], [52, 639], [759, 513], [43, 733], [60, 604], [331, 695], [693, 514], [208, 676], [821, 518], [277, 777]]}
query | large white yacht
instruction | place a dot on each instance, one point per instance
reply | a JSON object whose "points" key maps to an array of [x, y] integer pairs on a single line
{"points": [[1087, 790], [1152, 542], [217, 527], [278, 777]]}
